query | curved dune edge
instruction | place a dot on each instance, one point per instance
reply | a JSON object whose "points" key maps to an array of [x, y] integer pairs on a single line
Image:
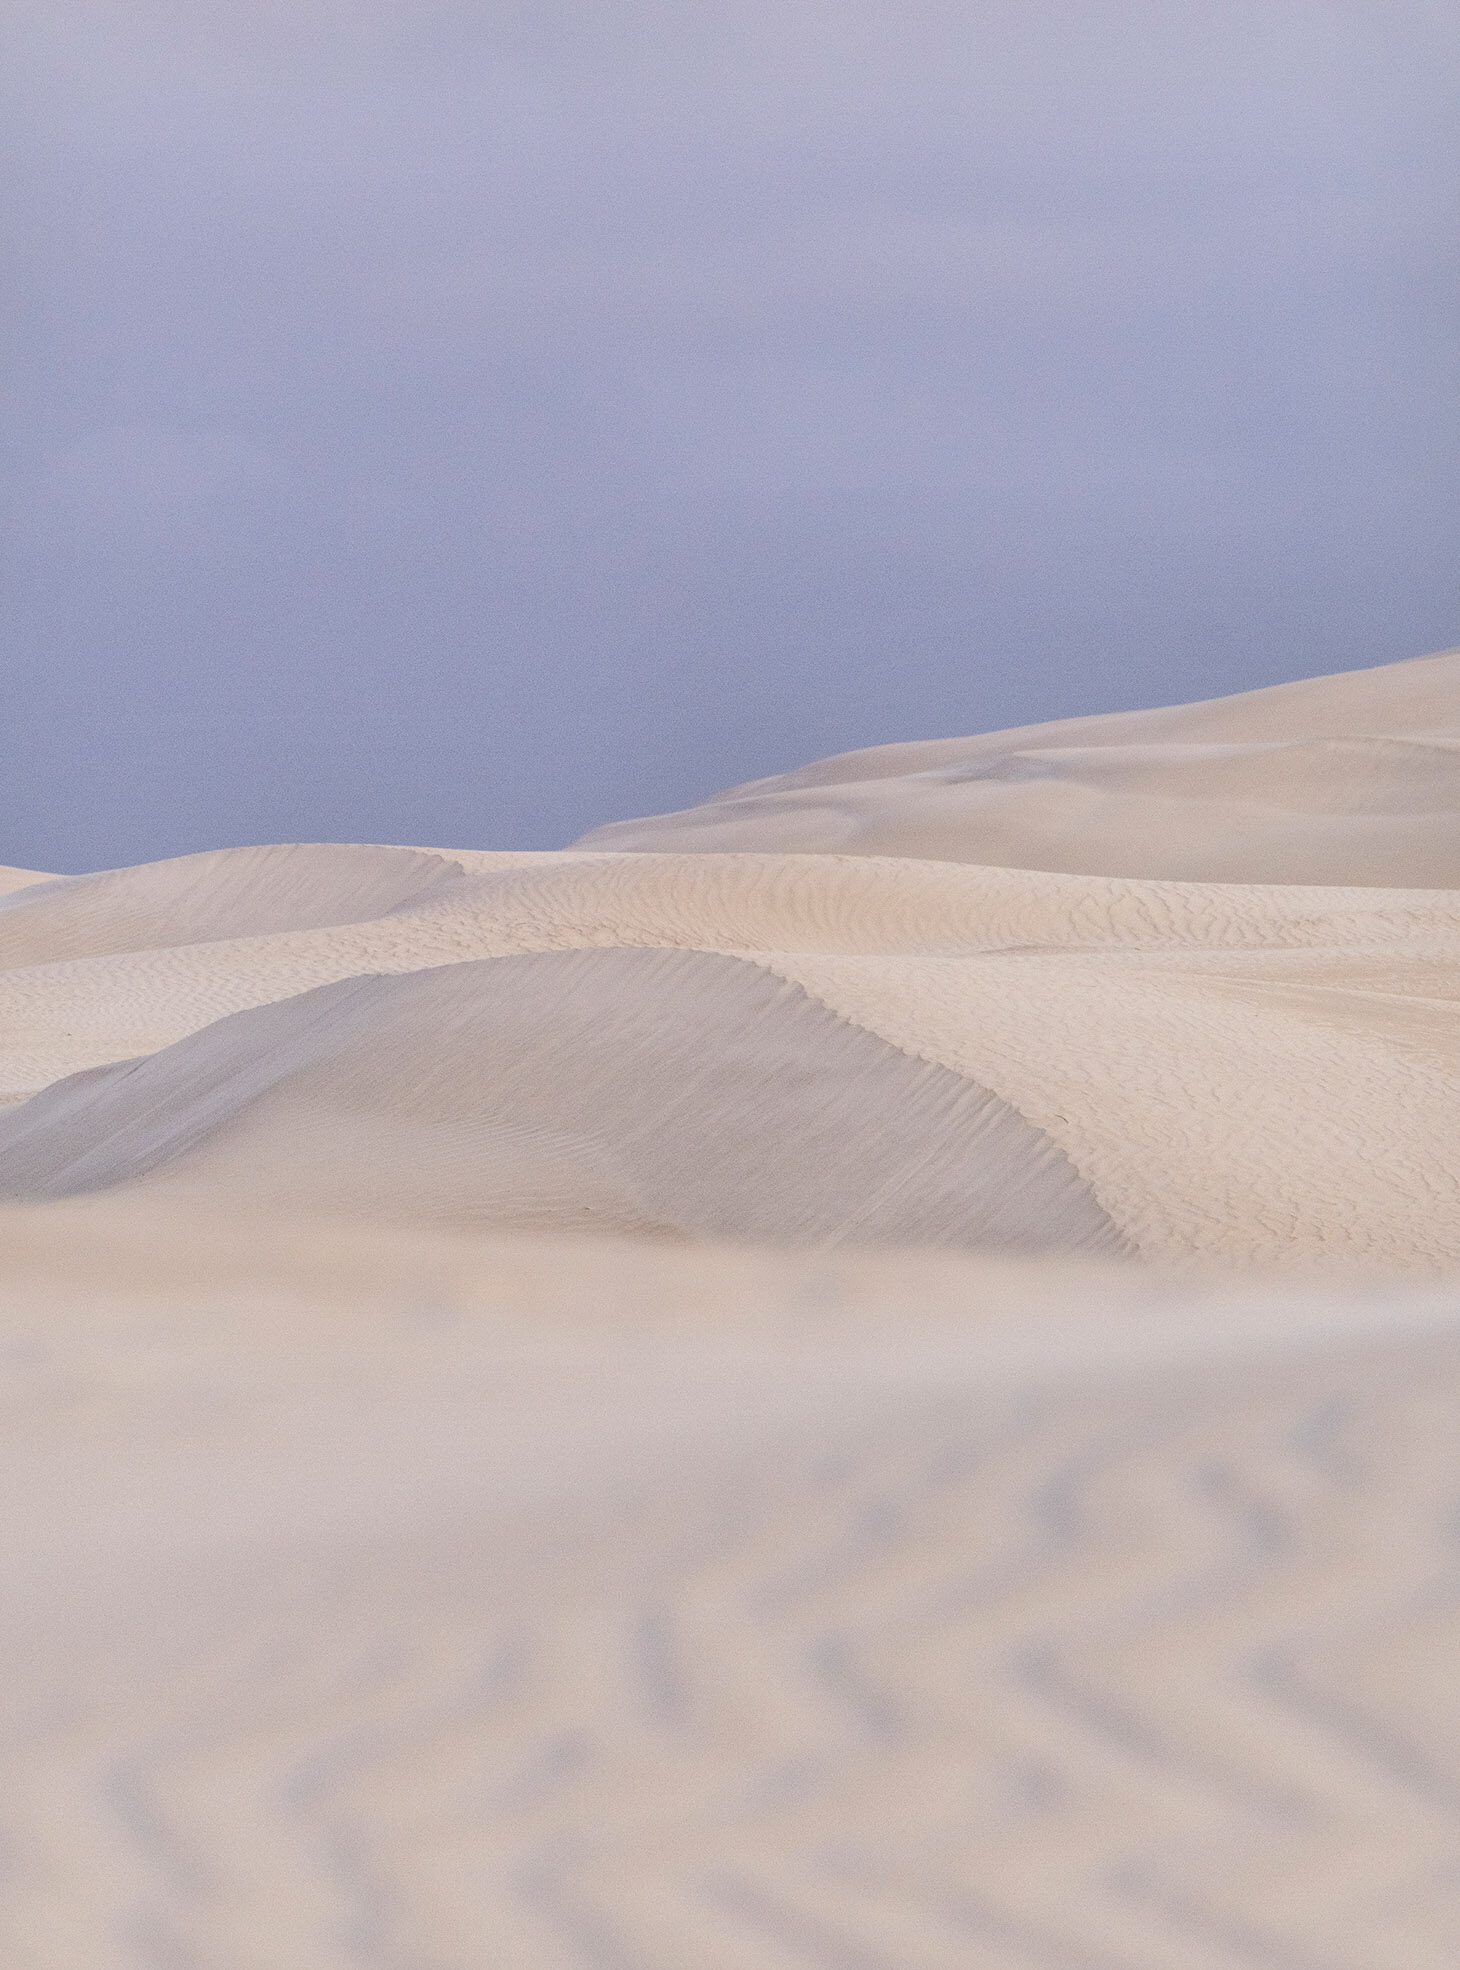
{"points": [[660, 1092], [1223, 1117], [1353, 778], [1242, 1074], [60, 1015]]}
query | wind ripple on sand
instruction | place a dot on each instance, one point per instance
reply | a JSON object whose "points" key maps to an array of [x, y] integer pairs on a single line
{"points": [[780, 1632]]}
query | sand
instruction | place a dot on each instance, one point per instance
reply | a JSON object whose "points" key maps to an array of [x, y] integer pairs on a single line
{"points": [[865, 1376], [12, 879], [1348, 779]]}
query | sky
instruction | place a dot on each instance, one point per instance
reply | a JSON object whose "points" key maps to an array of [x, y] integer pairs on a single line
{"points": [[467, 423]]}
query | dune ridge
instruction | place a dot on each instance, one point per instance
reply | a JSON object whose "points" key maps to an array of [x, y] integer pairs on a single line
{"points": [[1155, 1034]]}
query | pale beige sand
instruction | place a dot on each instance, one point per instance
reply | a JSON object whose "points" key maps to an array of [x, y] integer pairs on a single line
{"points": [[1347, 779], [11, 879], [433, 1540], [1241, 1073], [665, 1092], [404, 1600]]}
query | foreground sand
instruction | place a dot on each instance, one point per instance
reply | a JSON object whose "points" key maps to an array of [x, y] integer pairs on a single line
{"points": [[649, 1407], [409, 1600]]}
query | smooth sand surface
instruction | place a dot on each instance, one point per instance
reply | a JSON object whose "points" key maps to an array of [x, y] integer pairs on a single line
{"points": [[697, 1400], [11, 879]]}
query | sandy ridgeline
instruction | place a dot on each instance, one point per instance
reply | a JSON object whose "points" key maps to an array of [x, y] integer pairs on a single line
{"points": [[864, 1375]]}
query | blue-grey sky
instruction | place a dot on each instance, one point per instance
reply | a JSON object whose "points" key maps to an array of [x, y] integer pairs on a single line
{"points": [[464, 422]]}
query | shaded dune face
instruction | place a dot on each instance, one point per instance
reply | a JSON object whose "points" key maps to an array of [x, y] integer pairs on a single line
{"points": [[1349, 779], [227, 892], [649, 1091]]}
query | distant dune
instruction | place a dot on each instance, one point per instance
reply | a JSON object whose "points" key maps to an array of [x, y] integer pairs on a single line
{"points": [[1348, 779], [862, 1375]]}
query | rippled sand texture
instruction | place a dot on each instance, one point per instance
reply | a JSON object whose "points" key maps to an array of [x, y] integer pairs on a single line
{"points": [[865, 1376], [563, 1606]]}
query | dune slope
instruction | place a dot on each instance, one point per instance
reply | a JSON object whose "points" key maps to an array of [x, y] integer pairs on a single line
{"points": [[636, 1090], [1346, 779], [1259, 1074]]}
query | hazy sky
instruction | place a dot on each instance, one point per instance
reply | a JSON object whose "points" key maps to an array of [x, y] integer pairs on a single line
{"points": [[467, 423]]}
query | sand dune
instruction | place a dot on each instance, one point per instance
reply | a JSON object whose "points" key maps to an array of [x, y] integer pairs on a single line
{"points": [[1348, 779], [1249, 1074], [236, 892], [974, 1487], [632, 1090]]}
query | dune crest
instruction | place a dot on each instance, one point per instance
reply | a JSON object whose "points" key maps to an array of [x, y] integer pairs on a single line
{"points": [[671, 1092], [12, 879]]}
